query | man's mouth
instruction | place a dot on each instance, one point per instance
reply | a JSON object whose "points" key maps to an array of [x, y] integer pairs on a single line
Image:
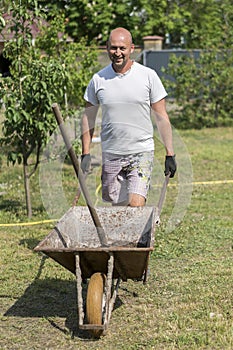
{"points": [[118, 59]]}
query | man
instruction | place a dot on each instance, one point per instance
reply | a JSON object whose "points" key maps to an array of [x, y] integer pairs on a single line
{"points": [[126, 92]]}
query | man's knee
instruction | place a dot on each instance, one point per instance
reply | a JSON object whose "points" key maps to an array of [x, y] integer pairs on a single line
{"points": [[136, 200]]}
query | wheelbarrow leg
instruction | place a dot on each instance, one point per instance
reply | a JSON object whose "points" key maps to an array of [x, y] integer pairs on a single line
{"points": [[146, 269], [110, 298], [79, 290]]}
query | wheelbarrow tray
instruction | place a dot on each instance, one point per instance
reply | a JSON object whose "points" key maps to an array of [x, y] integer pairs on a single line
{"points": [[129, 232]]}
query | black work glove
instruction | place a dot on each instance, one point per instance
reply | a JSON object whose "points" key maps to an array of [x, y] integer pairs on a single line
{"points": [[170, 165], [85, 162]]}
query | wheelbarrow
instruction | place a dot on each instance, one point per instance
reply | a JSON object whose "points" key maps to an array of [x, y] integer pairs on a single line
{"points": [[104, 245], [75, 245]]}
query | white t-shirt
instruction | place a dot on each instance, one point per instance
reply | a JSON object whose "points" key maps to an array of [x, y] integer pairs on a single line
{"points": [[126, 100]]}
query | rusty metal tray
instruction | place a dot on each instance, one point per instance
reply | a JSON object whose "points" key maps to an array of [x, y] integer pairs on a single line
{"points": [[130, 237]]}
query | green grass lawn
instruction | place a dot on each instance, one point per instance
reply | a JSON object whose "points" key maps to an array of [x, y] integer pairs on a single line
{"points": [[187, 302]]}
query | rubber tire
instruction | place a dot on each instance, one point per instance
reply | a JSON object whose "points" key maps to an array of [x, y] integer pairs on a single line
{"points": [[94, 301]]}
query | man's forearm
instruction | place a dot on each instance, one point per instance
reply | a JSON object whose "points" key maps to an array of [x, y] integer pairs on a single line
{"points": [[87, 127], [162, 122], [165, 131], [87, 134]]}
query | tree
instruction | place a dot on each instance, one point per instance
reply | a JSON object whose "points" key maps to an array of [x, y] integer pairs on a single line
{"points": [[188, 23], [94, 19], [202, 89], [37, 80]]}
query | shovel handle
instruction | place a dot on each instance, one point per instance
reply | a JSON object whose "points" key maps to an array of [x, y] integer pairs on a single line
{"points": [[80, 176]]}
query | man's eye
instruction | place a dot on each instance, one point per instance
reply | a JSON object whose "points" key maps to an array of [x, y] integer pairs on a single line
{"points": [[115, 48]]}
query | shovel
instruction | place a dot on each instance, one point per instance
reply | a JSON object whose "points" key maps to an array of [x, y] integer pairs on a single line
{"points": [[80, 176]]}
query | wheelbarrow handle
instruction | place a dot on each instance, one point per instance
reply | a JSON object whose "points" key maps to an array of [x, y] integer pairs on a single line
{"points": [[80, 175], [162, 194]]}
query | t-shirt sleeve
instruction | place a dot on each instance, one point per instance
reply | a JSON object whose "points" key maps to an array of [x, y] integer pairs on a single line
{"points": [[157, 90], [90, 94]]}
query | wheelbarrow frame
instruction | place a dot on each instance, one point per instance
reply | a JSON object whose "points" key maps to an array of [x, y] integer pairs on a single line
{"points": [[115, 262]]}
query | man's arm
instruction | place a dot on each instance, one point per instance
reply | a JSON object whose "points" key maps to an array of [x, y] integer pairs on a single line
{"points": [[162, 121], [87, 126], [163, 124]]}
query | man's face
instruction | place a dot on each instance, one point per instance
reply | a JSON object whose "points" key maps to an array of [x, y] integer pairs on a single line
{"points": [[119, 48]]}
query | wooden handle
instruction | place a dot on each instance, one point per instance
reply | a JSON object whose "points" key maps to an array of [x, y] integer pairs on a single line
{"points": [[80, 176]]}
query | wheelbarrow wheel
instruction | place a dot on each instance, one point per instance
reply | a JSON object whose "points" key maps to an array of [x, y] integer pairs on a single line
{"points": [[94, 301]]}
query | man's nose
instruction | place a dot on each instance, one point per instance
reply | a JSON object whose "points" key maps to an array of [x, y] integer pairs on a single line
{"points": [[118, 51]]}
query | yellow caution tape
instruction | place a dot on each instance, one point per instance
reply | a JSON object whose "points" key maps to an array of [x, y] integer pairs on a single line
{"points": [[219, 182], [197, 183], [28, 223]]}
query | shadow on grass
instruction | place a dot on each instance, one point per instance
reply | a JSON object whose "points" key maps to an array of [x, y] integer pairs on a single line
{"points": [[50, 298], [29, 243], [18, 207], [11, 205]]}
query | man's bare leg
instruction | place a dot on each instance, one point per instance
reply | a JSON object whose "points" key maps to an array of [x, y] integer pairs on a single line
{"points": [[136, 200]]}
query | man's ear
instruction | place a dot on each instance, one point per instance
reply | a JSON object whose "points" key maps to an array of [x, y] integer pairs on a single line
{"points": [[132, 48]]}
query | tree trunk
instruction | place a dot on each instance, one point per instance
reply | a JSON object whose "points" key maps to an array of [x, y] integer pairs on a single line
{"points": [[27, 191]]}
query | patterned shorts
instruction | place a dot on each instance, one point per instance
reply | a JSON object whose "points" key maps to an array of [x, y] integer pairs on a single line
{"points": [[126, 174]]}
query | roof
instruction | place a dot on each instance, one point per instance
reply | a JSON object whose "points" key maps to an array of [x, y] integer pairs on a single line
{"points": [[152, 37], [8, 33]]}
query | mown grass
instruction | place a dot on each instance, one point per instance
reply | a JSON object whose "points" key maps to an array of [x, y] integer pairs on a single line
{"points": [[187, 301]]}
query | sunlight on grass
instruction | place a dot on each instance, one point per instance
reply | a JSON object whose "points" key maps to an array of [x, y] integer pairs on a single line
{"points": [[187, 301]]}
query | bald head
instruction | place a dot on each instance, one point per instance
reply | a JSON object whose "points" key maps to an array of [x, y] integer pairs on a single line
{"points": [[120, 34], [120, 47]]}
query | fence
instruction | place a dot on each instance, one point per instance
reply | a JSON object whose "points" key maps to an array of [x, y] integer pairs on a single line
{"points": [[160, 59]]}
